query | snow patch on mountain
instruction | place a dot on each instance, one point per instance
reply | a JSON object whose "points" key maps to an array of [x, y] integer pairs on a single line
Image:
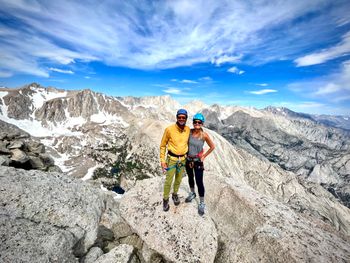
{"points": [[60, 162], [90, 173], [42, 95], [106, 119], [3, 94]]}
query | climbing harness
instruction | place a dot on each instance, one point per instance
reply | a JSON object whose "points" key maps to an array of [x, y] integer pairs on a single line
{"points": [[191, 160], [178, 165]]}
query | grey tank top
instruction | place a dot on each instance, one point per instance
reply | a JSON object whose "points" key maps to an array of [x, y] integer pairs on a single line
{"points": [[195, 145]]}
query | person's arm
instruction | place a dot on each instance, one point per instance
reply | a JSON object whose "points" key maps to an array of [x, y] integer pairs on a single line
{"points": [[163, 145], [210, 144]]}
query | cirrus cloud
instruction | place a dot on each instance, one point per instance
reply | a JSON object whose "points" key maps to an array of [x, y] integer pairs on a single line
{"points": [[152, 35], [333, 88], [235, 70], [61, 71], [263, 91], [339, 50], [172, 91]]}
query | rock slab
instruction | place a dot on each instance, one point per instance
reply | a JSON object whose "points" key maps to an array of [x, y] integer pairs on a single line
{"points": [[179, 235], [50, 211]]}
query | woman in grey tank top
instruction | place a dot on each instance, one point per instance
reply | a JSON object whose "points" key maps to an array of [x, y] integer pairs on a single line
{"points": [[195, 158]]}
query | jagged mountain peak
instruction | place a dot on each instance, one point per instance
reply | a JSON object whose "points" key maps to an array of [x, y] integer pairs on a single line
{"points": [[223, 112], [195, 106], [287, 112]]}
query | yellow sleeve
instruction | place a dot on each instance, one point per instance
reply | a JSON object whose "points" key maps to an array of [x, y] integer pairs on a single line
{"points": [[163, 145]]}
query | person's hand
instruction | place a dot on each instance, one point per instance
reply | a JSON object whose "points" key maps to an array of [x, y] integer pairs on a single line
{"points": [[202, 158], [164, 167]]}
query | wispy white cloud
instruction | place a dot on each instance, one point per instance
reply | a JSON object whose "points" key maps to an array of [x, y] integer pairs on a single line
{"points": [[222, 59], [328, 88], [314, 107], [262, 84], [309, 104], [206, 78], [5, 74], [20, 63], [146, 35], [30, 56], [263, 91], [173, 91], [61, 71], [235, 70], [188, 81], [332, 88], [341, 49]]}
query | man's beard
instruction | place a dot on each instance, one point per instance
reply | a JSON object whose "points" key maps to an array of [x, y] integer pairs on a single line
{"points": [[181, 123]]}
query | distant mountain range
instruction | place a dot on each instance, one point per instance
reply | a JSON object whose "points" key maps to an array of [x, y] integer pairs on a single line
{"points": [[342, 122], [263, 182], [118, 137]]}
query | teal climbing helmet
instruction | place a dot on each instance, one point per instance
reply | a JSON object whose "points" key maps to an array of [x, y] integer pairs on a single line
{"points": [[199, 116]]}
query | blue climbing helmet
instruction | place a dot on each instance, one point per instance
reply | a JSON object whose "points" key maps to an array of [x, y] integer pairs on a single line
{"points": [[181, 112], [199, 116]]}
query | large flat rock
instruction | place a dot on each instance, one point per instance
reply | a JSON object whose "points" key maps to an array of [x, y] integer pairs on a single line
{"points": [[179, 235], [253, 227], [53, 200], [25, 241]]}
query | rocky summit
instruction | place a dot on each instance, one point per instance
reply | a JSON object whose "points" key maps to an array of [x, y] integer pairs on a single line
{"points": [[51, 217], [180, 235], [20, 150], [276, 185]]}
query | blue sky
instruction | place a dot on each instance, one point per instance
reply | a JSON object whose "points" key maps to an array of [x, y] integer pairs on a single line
{"points": [[257, 53]]}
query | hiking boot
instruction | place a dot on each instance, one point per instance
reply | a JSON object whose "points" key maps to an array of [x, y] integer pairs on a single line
{"points": [[176, 199], [190, 197], [165, 205], [201, 208]]}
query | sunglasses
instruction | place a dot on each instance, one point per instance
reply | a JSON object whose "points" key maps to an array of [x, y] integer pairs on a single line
{"points": [[197, 122], [181, 118]]}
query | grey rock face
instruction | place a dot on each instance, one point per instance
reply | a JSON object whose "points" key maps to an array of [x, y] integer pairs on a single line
{"points": [[52, 110], [54, 200], [121, 254], [16, 145], [5, 161], [23, 240], [35, 147], [112, 219], [315, 152], [9, 132], [93, 254], [19, 103], [256, 206], [334, 121], [269, 179], [19, 156], [3, 147], [180, 235], [22, 152], [342, 122], [254, 228], [82, 104]]}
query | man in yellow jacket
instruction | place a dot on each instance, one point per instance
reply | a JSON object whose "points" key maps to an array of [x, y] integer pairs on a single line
{"points": [[175, 139]]}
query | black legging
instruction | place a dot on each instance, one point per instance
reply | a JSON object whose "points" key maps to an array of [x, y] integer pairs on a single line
{"points": [[198, 173]]}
